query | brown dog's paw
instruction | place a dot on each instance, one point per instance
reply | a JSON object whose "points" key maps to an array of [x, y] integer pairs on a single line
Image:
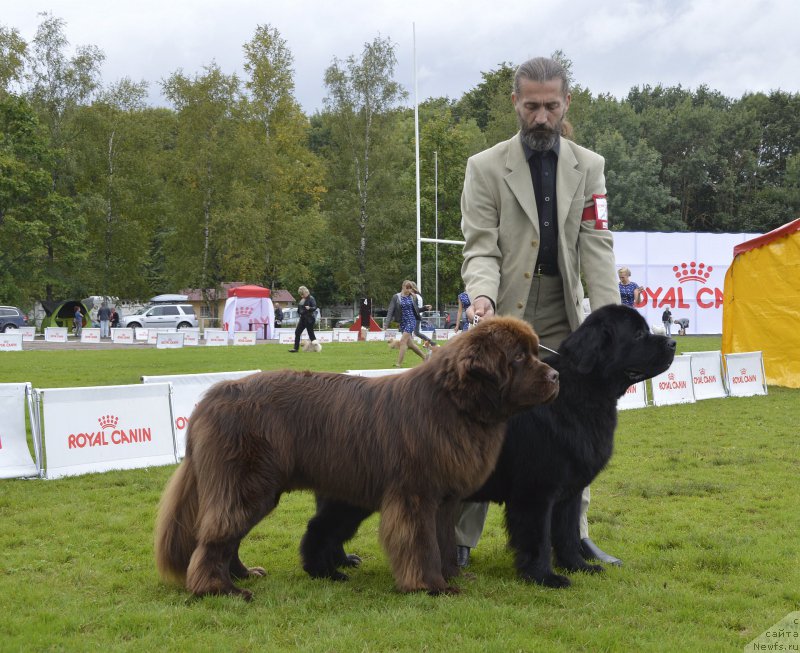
{"points": [[450, 590]]}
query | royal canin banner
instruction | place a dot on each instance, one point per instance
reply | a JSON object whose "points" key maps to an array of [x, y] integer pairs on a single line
{"points": [[15, 458], [682, 271], [745, 374], [374, 373], [707, 375], [635, 397], [96, 429], [10, 341], [675, 385], [187, 390]]}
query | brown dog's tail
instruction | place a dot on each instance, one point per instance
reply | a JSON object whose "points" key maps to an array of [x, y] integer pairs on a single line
{"points": [[176, 524]]}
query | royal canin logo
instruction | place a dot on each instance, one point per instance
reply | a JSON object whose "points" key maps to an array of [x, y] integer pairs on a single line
{"points": [[692, 272], [704, 378], [108, 421], [744, 377], [671, 383], [108, 435], [704, 297]]}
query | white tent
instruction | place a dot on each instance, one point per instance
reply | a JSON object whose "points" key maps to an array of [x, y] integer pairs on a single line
{"points": [[249, 308]]}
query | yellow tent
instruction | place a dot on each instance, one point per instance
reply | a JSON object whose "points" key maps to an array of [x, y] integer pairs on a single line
{"points": [[761, 305]]}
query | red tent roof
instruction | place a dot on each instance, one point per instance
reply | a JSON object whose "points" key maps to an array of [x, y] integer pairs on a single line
{"points": [[758, 241], [249, 291]]}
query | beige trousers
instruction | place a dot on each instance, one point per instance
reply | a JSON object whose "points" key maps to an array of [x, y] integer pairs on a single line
{"points": [[545, 311]]}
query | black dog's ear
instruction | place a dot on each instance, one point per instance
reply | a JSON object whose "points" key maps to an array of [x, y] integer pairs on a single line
{"points": [[584, 347]]}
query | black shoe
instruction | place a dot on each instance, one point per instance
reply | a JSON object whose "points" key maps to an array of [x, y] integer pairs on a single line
{"points": [[591, 551], [462, 556], [292, 351]]}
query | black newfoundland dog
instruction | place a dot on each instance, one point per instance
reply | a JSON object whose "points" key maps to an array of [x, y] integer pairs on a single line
{"points": [[410, 445], [550, 454]]}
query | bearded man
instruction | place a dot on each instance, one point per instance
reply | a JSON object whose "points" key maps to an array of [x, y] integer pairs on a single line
{"points": [[534, 217]]}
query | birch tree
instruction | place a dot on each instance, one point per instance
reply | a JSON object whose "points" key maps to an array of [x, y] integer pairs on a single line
{"points": [[362, 98]]}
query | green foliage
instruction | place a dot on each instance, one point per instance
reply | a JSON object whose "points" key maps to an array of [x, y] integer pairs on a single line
{"points": [[25, 194], [366, 157], [697, 501], [100, 194], [495, 89]]}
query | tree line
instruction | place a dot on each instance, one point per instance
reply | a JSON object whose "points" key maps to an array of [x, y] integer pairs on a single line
{"points": [[102, 194]]}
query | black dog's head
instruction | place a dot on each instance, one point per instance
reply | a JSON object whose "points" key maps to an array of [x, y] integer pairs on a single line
{"points": [[614, 345]]}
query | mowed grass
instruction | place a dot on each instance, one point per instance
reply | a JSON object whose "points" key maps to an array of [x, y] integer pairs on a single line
{"points": [[700, 501]]}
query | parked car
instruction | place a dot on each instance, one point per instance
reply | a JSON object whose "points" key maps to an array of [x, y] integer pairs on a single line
{"points": [[162, 316], [12, 318], [290, 317]]}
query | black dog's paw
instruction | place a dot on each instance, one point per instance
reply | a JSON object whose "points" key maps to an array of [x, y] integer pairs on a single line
{"points": [[584, 568], [351, 560], [549, 579]]}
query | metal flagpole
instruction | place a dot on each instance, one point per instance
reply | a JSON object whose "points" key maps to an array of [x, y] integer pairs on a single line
{"points": [[416, 148], [436, 218]]}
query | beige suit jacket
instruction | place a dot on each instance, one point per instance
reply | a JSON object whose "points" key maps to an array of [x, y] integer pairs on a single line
{"points": [[501, 228]]}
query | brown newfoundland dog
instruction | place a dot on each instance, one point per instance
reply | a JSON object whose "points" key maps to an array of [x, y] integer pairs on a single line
{"points": [[410, 445]]}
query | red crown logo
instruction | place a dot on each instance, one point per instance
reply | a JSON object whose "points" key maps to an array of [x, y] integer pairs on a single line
{"points": [[671, 376], [107, 421], [244, 311], [692, 272], [743, 371], [702, 371]]}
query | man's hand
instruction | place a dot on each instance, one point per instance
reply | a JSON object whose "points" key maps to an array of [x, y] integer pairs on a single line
{"points": [[481, 306]]}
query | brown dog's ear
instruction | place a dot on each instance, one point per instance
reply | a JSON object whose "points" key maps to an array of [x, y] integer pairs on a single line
{"points": [[485, 359]]}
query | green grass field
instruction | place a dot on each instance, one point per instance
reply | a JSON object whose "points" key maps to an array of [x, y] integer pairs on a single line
{"points": [[700, 501]]}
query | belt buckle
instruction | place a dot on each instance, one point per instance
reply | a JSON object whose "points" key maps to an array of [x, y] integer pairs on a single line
{"points": [[537, 271]]}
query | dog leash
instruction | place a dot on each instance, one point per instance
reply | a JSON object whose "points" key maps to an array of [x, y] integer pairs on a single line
{"points": [[552, 351], [477, 319]]}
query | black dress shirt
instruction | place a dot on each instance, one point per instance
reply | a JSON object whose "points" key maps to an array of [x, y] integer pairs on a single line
{"points": [[543, 176]]}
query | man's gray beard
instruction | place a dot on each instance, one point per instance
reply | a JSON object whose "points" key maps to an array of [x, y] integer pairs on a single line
{"points": [[539, 142]]}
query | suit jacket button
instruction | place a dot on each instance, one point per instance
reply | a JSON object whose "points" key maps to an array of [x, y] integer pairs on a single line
{"points": [[534, 243], [520, 305], [527, 275]]}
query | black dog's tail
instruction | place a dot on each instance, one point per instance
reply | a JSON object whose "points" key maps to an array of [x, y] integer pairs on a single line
{"points": [[176, 526]]}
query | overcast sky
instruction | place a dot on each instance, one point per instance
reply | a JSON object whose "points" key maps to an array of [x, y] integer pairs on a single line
{"points": [[733, 46]]}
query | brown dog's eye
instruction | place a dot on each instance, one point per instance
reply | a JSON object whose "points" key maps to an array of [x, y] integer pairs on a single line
{"points": [[520, 357]]}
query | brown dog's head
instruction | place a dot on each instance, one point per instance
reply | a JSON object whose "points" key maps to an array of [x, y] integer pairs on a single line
{"points": [[493, 371]]}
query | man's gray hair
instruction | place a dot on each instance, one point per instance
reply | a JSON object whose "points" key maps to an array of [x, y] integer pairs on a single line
{"points": [[541, 69]]}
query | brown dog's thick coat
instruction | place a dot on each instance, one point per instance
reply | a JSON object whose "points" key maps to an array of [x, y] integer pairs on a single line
{"points": [[410, 445]]}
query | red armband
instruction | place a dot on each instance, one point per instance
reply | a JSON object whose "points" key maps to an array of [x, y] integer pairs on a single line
{"points": [[598, 212]]}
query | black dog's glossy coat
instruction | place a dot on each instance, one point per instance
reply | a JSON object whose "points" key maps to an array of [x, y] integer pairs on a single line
{"points": [[549, 455]]}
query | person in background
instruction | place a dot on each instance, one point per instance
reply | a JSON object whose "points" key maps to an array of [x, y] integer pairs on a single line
{"points": [[421, 305], [630, 292], [462, 324], [306, 316], [666, 318], [114, 318], [535, 220], [78, 320], [104, 316], [409, 318], [278, 315]]}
